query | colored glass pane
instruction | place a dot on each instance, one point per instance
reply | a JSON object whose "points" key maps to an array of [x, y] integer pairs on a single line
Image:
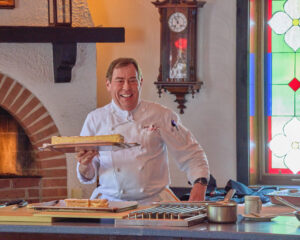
{"points": [[283, 67], [281, 86], [297, 103], [284, 22], [294, 84], [282, 100], [279, 45], [297, 66], [277, 6]]}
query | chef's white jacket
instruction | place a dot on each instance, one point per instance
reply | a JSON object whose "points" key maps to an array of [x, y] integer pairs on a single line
{"points": [[141, 173]]}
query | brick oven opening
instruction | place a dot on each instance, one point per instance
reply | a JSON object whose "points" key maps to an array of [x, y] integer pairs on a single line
{"points": [[16, 152]]}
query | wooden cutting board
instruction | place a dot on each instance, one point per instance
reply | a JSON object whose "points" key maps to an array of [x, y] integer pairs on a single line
{"points": [[88, 215], [60, 206], [8, 214]]}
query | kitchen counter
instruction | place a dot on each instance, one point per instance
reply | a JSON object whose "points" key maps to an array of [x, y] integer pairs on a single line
{"points": [[281, 227]]}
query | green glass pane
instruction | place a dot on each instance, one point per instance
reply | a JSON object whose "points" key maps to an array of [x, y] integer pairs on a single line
{"points": [[282, 100], [297, 68], [277, 6], [297, 103], [282, 67], [279, 45]]}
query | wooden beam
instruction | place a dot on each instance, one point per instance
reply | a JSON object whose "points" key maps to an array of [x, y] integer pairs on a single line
{"points": [[24, 34], [64, 42]]}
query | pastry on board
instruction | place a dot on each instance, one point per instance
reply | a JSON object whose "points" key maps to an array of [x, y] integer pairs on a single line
{"points": [[114, 138], [74, 202], [94, 203]]}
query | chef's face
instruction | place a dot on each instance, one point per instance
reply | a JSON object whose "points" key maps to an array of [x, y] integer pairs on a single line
{"points": [[125, 87]]}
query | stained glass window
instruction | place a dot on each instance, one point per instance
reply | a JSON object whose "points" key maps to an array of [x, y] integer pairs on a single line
{"points": [[280, 84]]}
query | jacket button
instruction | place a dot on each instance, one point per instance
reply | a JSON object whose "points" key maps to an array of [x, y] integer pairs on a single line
{"points": [[118, 170], [142, 190], [121, 191]]}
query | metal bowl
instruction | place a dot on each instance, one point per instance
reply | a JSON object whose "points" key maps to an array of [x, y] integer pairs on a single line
{"points": [[222, 212]]}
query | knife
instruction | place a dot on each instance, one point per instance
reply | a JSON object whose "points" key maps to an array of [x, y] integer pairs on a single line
{"points": [[21, 204], [13, 202]]}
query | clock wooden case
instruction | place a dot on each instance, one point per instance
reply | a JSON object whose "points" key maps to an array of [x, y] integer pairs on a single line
{"points": [[178, 48]]}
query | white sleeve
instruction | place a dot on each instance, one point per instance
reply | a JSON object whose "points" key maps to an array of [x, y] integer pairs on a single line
{"points": [[182, 145]]}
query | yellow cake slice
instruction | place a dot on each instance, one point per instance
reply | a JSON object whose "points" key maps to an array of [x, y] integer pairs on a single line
{"points": [[115, 138], [98, 203], [73, 202], [93, 203]]}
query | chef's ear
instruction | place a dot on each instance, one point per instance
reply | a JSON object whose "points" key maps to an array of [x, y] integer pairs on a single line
{"points": [[108, 84], [141, 82]]}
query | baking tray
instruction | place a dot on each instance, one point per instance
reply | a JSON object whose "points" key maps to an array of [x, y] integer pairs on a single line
{"points": [[60, 205], [97, 146], [187, 222], [290, 195], [165, 214]]}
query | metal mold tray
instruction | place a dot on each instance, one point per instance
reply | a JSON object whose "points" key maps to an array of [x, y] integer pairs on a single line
{"points": [[179, 215], [98, 146]]}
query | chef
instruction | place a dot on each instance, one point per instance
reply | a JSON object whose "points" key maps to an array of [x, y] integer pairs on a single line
{"points": [[139, 173]]}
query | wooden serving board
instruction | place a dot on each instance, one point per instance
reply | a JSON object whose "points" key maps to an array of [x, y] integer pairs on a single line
{"points": [[60, 206], [8, 214], [29, 215], [87, 215]]}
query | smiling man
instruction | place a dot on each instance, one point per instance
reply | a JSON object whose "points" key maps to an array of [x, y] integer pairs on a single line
{"points": [[139, 173], [124, 82]]}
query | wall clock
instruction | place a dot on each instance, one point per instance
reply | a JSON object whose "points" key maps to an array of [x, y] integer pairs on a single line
{"points": [[178, 47]]}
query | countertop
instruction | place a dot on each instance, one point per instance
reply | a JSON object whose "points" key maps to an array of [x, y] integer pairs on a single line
{"points": [[281, 227]]}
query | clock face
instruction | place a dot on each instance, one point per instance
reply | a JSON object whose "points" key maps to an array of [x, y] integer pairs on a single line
{"points": [[177, 22]]}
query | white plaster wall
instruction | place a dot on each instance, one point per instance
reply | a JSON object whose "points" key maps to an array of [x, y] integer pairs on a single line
{"points": [[31, 64], [211, 114]]}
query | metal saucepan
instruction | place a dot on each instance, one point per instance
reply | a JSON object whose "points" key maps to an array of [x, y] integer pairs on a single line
{"points": [[287, 203], [223, 211]]}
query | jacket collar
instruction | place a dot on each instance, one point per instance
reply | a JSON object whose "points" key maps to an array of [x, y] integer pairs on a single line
{"points": [[123, 114]]}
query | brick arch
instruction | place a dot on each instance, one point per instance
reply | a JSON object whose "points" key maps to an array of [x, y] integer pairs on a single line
{"points": [[39, 126]]}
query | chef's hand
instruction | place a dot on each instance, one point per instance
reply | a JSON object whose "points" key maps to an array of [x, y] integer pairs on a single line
{"points": [[198, 192], [85, 158]]}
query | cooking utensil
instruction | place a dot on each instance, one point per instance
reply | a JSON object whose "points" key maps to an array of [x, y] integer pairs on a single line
{"points": [[291, 195], [21, 204], [285, 202], [224, 211], [13, 202]]}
